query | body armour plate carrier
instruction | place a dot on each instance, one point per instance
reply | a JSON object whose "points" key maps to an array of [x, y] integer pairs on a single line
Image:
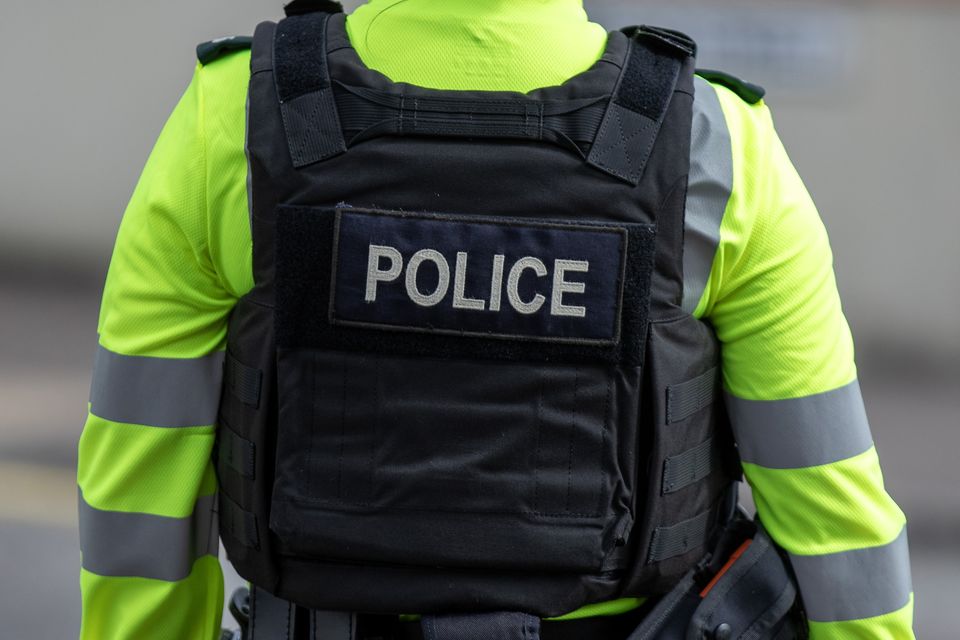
{"points": [[463, 380]]}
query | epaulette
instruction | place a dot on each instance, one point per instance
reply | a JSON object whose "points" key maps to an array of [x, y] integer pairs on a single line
{"points": [[207, 52], [748, 92]]}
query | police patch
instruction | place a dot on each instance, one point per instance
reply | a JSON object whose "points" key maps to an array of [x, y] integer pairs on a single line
{"points": [[490, 277]]}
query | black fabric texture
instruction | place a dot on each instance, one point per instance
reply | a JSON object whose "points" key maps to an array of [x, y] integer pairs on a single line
{"points": [[481, 626], [746, 91], [304, 250], [207, 52]]}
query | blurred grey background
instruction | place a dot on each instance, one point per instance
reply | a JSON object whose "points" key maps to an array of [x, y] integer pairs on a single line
{"points": [[865, 95]]}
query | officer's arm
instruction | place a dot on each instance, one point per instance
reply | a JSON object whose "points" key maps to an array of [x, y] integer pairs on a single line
{"points": [[793, 395], [147, 487]]}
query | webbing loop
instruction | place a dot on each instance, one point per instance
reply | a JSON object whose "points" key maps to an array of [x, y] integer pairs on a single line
{"points": [[691, 466], [236, 452], [687, 398], [238, 523], [242, 381]]}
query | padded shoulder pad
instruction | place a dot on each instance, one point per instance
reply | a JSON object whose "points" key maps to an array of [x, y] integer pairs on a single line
{"points": [[207, 52], [748, 92]]}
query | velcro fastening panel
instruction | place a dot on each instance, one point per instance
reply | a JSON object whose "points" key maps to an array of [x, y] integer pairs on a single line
{"points": [[238, 523], [687, 398], [689, 467], [504, 278], [481, 626], [677, 539], [243, 382], [307, 104], [533, 311], [237, 453]]}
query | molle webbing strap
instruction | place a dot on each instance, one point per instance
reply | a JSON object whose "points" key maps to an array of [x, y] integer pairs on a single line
{"points": [[634, 117], [238, 523], [235, 452], [689, 467], [242, 381], [307, 104], [368, 113], [677, 539], [687, 398]]}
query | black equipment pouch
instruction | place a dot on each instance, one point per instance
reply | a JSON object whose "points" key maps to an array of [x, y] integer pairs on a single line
{"points": [[744, 590]]}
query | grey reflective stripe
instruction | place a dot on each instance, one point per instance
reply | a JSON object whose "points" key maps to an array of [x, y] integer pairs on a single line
{"points": [[853, 585], [802, 432], [141, 545], [159, 392], [708, 191]]}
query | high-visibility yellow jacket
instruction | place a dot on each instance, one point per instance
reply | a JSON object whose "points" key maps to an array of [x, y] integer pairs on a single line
{"points": [[757, 265]]}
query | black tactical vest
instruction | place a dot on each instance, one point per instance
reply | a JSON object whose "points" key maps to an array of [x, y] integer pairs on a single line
{"points": [[463, 380]]}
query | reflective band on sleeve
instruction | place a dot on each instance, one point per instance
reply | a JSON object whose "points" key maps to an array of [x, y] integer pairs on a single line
{"points": [[854, 585], [119, 544], [157, 392], [708, 191], [801, 432]]}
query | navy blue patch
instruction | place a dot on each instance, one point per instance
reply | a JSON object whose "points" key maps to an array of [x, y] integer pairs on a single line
{"points": [[490, 277]]}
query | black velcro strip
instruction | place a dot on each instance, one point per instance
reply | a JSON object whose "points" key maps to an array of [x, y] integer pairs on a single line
{"points": [[236, 452], [687, 398], [648, 81], [689, 467], [678, 539], [238, 523], [307, 104], [300, 55], [243, 382]]}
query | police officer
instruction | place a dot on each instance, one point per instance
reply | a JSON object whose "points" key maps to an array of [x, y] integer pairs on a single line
{"points": [[471, 373]]}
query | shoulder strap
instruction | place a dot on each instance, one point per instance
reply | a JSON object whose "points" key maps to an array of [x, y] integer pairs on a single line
{"points": [[747, 91], [307, 103], [207, 52], [643, 94]]}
